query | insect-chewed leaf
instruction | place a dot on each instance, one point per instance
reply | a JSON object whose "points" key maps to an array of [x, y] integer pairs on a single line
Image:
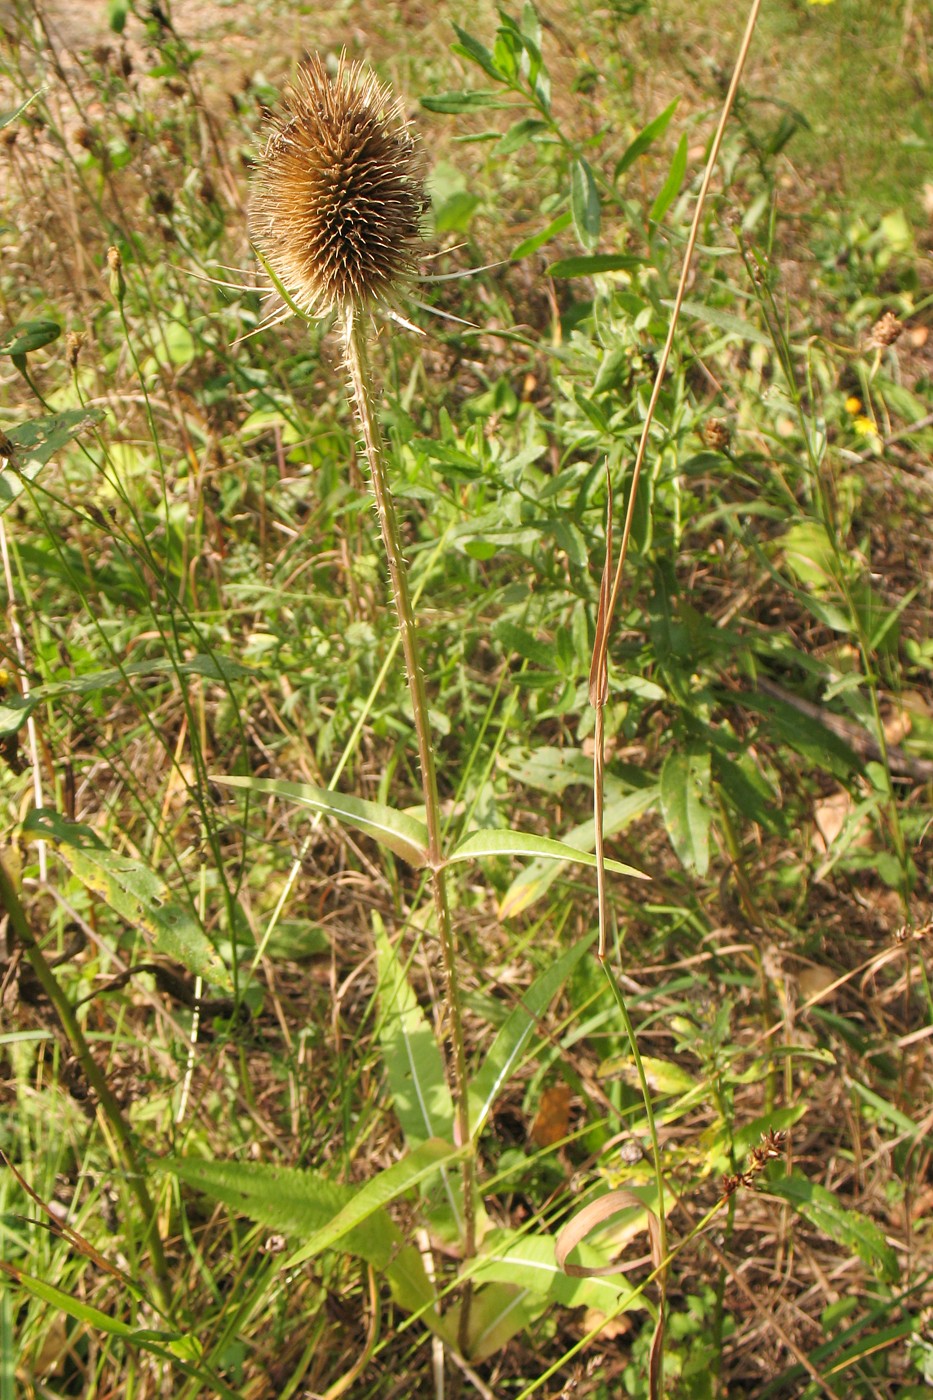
{"points": [[35, 443], [133, 891], [402, 834]]}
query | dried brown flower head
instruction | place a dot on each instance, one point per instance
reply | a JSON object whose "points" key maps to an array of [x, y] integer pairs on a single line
{"points": [[337, 195], [716, 434], [886, 330]]}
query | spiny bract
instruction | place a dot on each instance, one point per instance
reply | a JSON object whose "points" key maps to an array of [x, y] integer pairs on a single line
{"points": [[337, 194]]}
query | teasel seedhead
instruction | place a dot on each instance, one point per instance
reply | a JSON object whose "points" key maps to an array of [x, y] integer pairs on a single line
{"points": [[337, 193]]}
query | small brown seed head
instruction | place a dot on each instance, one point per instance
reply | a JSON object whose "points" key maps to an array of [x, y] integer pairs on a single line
{"points": [[337, 194], [886, 330], [716, 434]]}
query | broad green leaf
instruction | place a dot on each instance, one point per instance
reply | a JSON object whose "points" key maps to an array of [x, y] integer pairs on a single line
{"points": [[594, 263], [532, 884], [294, 1201], [15, 711], [453, 102], [849, 1228], [29, 336], [480, 844], [663, 1076], [723, 320], [584, 205], [7, 117], [645, 138], [511, 1042], [412, 1059], [685, 788], [424, 1162], [36, 443], [537, 240], [402, 834], [528, 1261], [671, 187], [498, 1312], [133, 891]]}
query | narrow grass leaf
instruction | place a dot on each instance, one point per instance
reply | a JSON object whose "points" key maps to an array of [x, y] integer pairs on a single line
{"points": [[424, 1162], [645, 138], [848, 1228], [512, 1040], [133, 891], [584, 205], [671, 187], [412, 1059], [685, 787], [402, 834], [6, 118], [481, 844]]}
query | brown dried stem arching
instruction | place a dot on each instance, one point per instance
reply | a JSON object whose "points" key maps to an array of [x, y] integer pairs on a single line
{"points": [[337, 194]]}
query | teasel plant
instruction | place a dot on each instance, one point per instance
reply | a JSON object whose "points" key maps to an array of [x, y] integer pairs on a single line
{"points": [[337, 206]]}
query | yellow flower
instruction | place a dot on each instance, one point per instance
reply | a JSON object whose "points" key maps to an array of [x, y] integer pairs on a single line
{"points": [[864, 426], [853, 404]]}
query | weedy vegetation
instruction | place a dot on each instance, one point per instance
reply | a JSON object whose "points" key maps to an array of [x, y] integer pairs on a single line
{"points": [[480, 945]]}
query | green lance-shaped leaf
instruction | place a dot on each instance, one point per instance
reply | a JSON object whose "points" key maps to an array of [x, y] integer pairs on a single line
{"points": [[584, 205], [133, 891], [403, 834], [685, 786], [722, 320], [481, 844], [532, 884], [849, 1228], [16, 710], [590, 265], [671, 187], [645, 138], [516, 1032], [35, 443], [412, 1058], [294, 1201], [299, 1202], [425, 1161]]}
